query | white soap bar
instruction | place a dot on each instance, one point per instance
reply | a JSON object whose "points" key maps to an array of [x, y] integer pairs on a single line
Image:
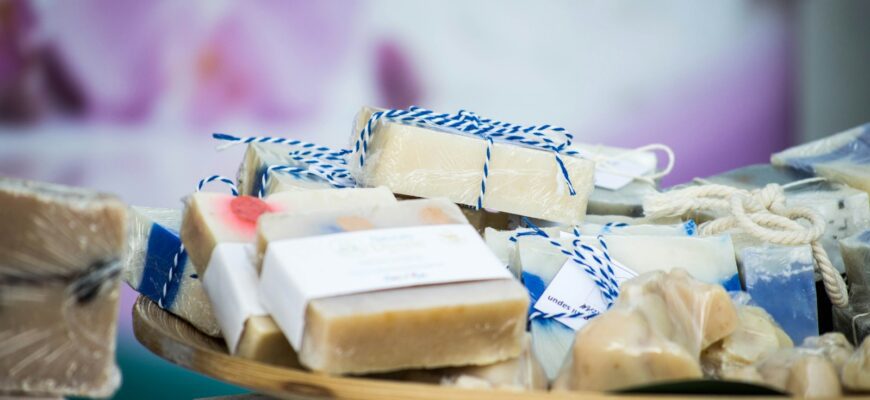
{"points": [[156, 266], [844, 157], [259, 157], [427, 163]]}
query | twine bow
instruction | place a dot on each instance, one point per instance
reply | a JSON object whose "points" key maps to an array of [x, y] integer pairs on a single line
{"points": [[761, 213]]}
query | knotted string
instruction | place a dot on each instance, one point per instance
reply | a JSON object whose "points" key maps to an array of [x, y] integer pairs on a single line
{"points": [[469, 124], [603, 275], [222, 179], [761, 213]]}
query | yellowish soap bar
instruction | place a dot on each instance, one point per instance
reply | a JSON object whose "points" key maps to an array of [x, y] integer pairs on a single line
{"points": [[423, 162]]}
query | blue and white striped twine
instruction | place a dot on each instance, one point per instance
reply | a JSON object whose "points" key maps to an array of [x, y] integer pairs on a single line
{"points": [[468, 123], [234, 140], [172, 270], [222, 179], [587, 315], [603, 276]]}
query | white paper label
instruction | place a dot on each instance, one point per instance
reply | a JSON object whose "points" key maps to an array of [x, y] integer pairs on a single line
{"points": [[230, 281], [572, 290], [608, 180], [298, 270]]}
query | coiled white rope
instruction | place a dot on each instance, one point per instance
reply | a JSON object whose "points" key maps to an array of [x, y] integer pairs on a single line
{"points": [[761, 213]]}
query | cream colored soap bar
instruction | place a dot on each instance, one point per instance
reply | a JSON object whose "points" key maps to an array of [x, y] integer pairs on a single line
{"points": [[259, 157], [856, 369], [430, 326], [157, 266], [60, 252], [756, 338], [801, 374], [219, 230], [427, 163], [212, 218], [654, 332]]}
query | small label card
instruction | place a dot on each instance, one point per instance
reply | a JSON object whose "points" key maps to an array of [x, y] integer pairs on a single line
{"points": [[573, 290], [607, 180]]}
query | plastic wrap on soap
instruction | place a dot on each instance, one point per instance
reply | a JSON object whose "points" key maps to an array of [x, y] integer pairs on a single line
{"points": [[156, 265], [855, 372], [259, 157], [856, 258], [428, 163], [757, 337], [843, 157], [60, 252], [654, 332]]}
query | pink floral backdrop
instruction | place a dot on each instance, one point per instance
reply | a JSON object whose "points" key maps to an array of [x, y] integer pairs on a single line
{"points": [[123, 95]]}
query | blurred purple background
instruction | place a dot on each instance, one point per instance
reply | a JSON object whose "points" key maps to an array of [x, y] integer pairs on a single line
{"points": [[123, 95]]}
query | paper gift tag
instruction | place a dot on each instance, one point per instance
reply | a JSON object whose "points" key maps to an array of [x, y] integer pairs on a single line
{"points": [[572, 290], [608, 180]]}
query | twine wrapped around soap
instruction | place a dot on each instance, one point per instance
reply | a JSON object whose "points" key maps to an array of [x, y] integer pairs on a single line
{"points": [[222, 179], [603, 276], [761, 213], [308, 146]]}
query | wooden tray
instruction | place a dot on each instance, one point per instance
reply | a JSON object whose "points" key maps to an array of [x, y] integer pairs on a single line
{"points": [[178, 342]]}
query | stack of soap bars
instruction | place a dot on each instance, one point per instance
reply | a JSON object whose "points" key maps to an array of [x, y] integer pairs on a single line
{"points": [[457, 250]]}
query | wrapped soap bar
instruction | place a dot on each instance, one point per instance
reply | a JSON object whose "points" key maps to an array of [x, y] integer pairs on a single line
{"points": [[389, 288], [801, 374], [853, 321], [710, 259], [426, 160], [757, 337], [833, 346], [781, 280], [856, 257], [654, 332], [845, 209], [521, 373], [219, 232], [842, 157], [60, 252], [855, 372], [627, 201], [259, 157], [157, 266]]}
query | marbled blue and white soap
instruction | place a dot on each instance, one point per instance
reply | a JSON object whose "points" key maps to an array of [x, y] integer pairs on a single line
{"points": [[845, 209], [781, 279], [709, 259], [157, 267], [844, 157]]}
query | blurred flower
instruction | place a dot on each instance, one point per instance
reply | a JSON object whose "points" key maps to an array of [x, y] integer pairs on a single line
{"points": [[17, 59], [397, 82]]}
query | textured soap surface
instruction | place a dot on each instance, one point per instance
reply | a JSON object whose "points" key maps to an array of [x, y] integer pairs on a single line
{"points": [[212, 218], [60, 252], [157, 266], [856, 257], [856, 369], [801, 373], [655, 331], [520, 373], [451, 324], [711, 259], [426, 163], [843, 157], [757, 337], [259, 157], [846, 210], [781, 280]]}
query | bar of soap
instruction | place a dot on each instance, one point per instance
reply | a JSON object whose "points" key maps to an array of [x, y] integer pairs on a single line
{"points": [[833, 345], [801, 374], [426, 163], [846, 210], [476, 322], [710, 259], [219, 231], [781, 279], [627, 201], [157, 266], [521, 373], [756, 338], [212, 218], [61, 250], [856, 256], [654, 332], [259, 157], [856, 369], [843, 157]]}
